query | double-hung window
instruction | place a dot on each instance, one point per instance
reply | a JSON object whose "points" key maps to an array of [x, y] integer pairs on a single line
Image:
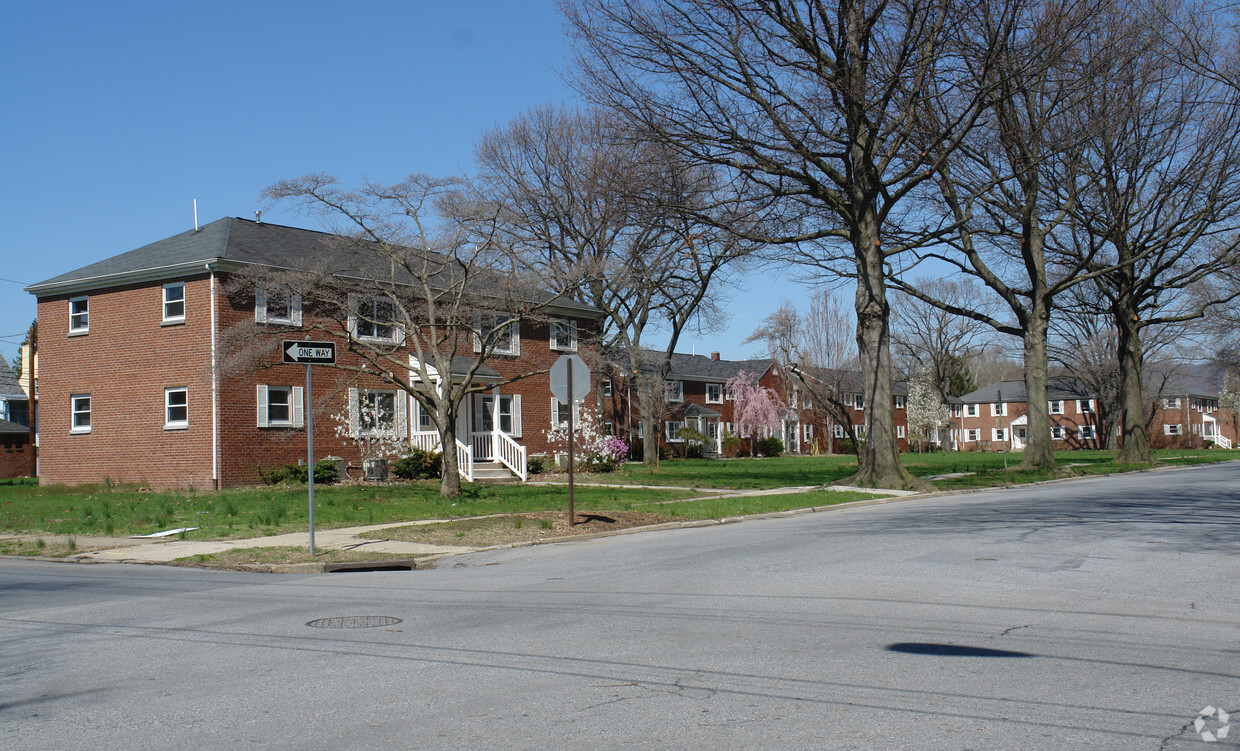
{"points": [[973, 435], [80, 410], [899, 401], [673, 429], [378, 414], [174, 302], [714, 393], [997, 409], [501, 333], [1055, 407], [1085, 432], [1173, 428], [998, 434], [860, 401], [674, 391], [564, 335], [276, 307], [280, 406], [970, 410], [1057, 432], [607, 387], [176, 409], [79, 315], [373, 319], [1172, 403], [1086, 406]]}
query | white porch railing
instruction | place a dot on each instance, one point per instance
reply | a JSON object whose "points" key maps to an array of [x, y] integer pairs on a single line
{"points": [[425, 440], [465, 460], [1210, 432], [482, 445], [512, 455]]}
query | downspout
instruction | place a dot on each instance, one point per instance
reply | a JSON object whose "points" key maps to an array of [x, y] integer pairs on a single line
{"points": [[215, 395]]}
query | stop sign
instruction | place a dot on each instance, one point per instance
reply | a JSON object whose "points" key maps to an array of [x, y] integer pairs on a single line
{"points": [[566, 365]]}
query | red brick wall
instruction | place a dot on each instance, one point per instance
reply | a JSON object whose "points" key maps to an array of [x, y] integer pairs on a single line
{"points": [[16, 456], [125, 362], [128, 358]]}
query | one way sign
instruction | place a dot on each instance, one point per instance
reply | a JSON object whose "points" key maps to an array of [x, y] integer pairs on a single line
{"points": [[309, 353]]}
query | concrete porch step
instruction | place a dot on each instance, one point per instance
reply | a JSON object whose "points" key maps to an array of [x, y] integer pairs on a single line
{"points": [[493, 472]]}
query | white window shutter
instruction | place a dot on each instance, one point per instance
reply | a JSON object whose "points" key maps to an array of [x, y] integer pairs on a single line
{"points": [[294, 312], [298, 406], [353, 330], [516, 415], [555, 412], [402, 415], [260, 306], [354, 416], [262, 406], [515, 330], [555, 324], [478, 324], [572, 335]]}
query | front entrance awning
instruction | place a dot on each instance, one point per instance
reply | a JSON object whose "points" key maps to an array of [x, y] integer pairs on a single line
{"points": [[460, 367], [698, 411]]}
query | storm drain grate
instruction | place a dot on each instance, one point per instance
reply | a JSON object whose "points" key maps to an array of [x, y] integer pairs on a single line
{"points": [[354, 621]]}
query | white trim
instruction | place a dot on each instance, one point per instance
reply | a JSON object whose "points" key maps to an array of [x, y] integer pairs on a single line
{"points": [[169, 423], [262, 314], [85, 314], [167, 319], [74, 412], [558, 324]]}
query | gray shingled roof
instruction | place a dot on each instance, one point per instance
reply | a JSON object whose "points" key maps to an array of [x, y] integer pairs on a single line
{"points": [[13, 428], [1014, 391], [8, 381], [230, 244], [703, 368]]}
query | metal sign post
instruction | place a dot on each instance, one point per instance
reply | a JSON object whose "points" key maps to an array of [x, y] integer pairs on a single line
{"points": [[1007, 478], [310, 353], [567, 370]]}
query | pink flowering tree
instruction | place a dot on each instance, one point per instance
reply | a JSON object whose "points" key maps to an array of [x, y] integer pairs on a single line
{"points": [[757, 411]]}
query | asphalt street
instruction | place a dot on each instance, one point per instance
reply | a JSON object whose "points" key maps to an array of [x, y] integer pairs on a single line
{"points": [[1094, 614]]}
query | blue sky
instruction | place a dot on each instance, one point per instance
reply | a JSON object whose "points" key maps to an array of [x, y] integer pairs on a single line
{"points": [[117, 116]]}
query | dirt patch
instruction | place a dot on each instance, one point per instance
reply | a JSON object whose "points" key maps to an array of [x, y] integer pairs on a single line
{"points": [[514, 528]]}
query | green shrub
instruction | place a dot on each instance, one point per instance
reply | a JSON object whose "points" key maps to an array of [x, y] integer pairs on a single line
{"points": [[770, 446], [536, 464], [845, 446], [419, 464], [324, 473]]}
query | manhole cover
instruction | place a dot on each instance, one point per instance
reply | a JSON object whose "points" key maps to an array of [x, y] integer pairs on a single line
{"points": [[354, 621]]}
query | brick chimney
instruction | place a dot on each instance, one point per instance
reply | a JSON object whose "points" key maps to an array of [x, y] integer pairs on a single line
{"points": [[714, 355]]}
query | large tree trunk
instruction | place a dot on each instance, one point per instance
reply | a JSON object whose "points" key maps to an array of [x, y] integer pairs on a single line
{"points": [[1135, 448], [450, 482], [1039, 447], [878, 464]]}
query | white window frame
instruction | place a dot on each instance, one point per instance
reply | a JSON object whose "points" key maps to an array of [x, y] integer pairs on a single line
{"points": [[1171, 402], [899, 431], [1058, 433], [957, 410], [899, 401], [563, 335], [671, 433], [371, 320], [77, 411], [1086, 433], [858, 400], [1085, 406], [182, 405], [837, 430], [509, 408], [809, 432], [998, 409], [1173, 428], [79, 320], [671, 394], [973, 435], [1055, 406], [295, 397], [174, 317], [971, 410], [400, 426], [262, 308], [714, 393], [420, 415], [557, 407], [998, 434], [490, 323]]}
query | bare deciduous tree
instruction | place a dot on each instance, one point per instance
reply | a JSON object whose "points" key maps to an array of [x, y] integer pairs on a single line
{"points": [[412, 282], [594, 207], [815, 109]]}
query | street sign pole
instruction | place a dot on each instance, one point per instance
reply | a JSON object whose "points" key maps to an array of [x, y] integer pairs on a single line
{"points": [[571, 405], [310, 453], [310, 353]]}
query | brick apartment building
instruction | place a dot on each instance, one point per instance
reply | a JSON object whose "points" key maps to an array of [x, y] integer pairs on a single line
{"points": [[696, 396], [17, 453], [134, 385], [993, 417]]}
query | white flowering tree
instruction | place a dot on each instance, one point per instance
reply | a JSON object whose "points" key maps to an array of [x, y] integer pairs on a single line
{"points": [[925, 408], [1229, 402]]}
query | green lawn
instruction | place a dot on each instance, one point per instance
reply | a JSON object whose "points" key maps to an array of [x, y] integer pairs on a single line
{"points": [[783, 471], [255, 512], [252, 512]]}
